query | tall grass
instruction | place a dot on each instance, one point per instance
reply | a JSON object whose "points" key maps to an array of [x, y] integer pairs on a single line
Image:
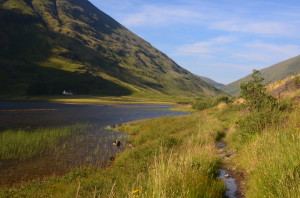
{"points": [[170, 157], [22, 144], [271, 160], [267, 145], [188, 169]]}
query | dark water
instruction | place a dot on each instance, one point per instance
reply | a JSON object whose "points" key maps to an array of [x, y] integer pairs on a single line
{"points": [[231, 186], [93, 147]]}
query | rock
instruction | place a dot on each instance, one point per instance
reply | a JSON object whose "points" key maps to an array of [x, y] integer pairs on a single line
{"points": [[117, 143], [227, 175], [112, 159]]}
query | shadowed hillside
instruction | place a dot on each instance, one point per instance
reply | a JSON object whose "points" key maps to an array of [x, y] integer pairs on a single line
{"points": [[49, 46], [212, 82]]}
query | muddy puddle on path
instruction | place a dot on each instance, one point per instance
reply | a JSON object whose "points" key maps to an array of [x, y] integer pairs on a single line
{"points": [[231, 186], [229, 180], [92, 147]]}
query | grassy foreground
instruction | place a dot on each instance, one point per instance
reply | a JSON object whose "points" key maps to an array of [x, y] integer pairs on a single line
{"points": [[170, 157], [22, 144], [270, 159], [177, 156]]}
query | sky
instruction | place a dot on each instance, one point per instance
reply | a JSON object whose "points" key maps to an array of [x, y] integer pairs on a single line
{"points": [[222, 39]]}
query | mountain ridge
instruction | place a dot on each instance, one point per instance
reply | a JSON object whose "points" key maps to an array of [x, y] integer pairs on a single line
{"points": [[271, 74], [212, 82], [76, 40]]}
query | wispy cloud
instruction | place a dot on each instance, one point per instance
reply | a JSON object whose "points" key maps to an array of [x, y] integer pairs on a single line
{"points": [[207, 48], [155, 15], [259, 27], [213, 17], [265, 52]]}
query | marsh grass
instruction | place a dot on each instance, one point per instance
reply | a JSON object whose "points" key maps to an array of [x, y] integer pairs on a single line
{"points": [[169, 157], [182, 108], [23, 144]]}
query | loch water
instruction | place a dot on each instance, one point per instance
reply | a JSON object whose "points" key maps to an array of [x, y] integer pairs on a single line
{"points": [[92, 147]]}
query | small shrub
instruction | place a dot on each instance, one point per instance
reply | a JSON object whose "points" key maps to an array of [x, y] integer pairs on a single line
{"points": [[297, 82], [205, 103], [264, 110]]}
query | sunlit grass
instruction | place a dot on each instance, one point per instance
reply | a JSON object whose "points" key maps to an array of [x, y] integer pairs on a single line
{"points": [[22, 144], [169, 157], [182, 108], [272, 161], [269, 159]]}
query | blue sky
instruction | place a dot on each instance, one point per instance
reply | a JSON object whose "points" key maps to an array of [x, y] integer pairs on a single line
{"points": [[222, 39]]}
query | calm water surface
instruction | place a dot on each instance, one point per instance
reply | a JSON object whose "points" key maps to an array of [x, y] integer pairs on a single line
{"points": [[92, 147]]}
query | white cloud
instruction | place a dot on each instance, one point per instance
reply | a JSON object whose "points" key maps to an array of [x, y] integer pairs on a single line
{"points": [[207, 48], [213, 17], [259, 27], [160, 15]]}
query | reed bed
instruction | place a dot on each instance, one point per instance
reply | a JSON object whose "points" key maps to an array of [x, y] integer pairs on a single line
{"points": [[23, 144], [168, 157]]}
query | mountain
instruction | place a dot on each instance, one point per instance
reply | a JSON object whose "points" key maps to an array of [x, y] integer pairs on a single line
{"points": [[47, 46], [271, 74], [212, 82]]}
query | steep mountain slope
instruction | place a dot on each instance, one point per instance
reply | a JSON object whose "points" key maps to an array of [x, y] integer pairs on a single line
{"points": [[273, 73], [286, 88], [48, 46], [212, 82]]}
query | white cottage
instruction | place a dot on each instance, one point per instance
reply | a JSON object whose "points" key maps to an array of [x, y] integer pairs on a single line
{"points": [[67, 92]]}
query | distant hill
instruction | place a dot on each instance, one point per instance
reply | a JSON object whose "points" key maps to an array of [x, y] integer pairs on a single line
{"points": [[212, 82], [47, 46], [271, 74]]}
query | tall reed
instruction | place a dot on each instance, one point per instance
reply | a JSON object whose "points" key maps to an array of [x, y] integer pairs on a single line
{"points": [[22, 144]]}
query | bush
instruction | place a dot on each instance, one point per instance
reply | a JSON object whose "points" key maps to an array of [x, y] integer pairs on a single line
{"points": [[297, 82], [205, 103], [264, 110], [254, 92]]}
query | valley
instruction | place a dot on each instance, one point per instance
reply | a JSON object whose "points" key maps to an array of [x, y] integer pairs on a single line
{"points": [[89, 108]]}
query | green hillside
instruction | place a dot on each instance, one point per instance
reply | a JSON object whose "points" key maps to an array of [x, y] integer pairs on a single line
{"points": [[212, 82], [271, 74], [49, 46]]}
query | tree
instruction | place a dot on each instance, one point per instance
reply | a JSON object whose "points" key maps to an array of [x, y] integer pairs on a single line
{"points": [[255, 93]]}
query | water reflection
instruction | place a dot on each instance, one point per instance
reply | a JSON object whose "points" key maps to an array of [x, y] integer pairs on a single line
{"points": [[92, 147]]}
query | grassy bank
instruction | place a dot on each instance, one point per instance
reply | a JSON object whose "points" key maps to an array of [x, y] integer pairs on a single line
{"points": [[22, 144], [270, 159], [138, 98], [264, 133], [170, 157]]}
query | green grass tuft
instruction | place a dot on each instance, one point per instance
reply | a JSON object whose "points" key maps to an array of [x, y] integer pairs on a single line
{"points": [[22, 144]]}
